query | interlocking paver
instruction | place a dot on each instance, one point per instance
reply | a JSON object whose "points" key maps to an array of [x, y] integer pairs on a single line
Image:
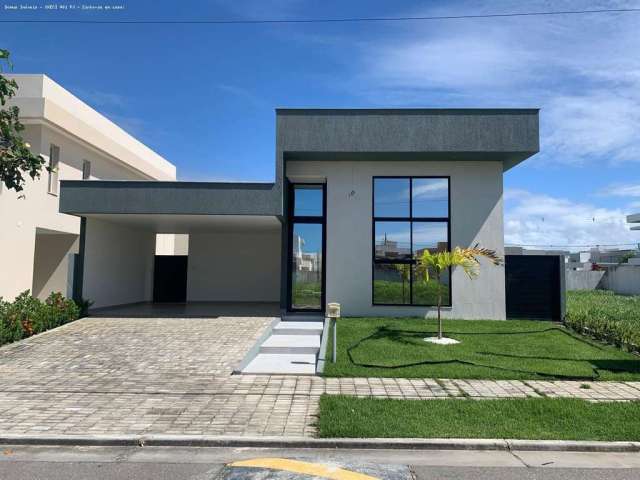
{"points": [[173, 376]]}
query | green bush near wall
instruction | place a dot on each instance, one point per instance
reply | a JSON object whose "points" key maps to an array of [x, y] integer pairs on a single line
{"points": [[606, 316], [27, 315]]}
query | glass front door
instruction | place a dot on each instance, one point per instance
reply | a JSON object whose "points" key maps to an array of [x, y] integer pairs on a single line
{"points": [[306, 248]]}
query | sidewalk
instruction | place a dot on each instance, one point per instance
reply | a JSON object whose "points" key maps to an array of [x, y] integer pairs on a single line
{"points": [[249, 405]]}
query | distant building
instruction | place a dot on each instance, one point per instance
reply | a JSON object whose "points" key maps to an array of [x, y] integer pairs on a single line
{"points": [[528, 251]]}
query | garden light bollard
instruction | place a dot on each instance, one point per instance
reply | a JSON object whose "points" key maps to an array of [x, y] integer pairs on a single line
{"points": [[333, 312]]}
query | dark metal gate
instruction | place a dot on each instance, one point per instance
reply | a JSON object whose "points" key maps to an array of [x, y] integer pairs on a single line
{"points": [[170, 278], [535, 286]]}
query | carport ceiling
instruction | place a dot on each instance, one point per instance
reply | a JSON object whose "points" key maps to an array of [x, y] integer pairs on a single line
{"points": [[194, 223]]}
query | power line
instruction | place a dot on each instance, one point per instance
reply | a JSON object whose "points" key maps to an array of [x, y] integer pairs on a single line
{"points": [[333, 20]]}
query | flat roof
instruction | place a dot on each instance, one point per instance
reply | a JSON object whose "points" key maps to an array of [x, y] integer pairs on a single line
{"points": [[43, 101]]}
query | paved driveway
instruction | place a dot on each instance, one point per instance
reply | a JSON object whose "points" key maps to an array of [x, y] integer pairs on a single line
{"points": [[101, 375]]}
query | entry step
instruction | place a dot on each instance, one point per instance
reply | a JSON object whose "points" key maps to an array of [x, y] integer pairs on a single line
{"points": [[298, 328], [274, 364], [291, 344]]}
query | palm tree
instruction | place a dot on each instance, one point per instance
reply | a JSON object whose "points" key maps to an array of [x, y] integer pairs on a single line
{"points": [[436, 263]]}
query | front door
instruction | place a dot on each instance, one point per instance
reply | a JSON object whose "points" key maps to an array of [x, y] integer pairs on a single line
{"points": [[307, 247]]}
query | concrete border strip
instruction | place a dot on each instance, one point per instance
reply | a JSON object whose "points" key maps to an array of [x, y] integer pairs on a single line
{"points": [[253, 351], [322, 354], [332, 443]]}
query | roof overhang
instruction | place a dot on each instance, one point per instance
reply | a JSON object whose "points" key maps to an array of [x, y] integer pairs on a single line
{"points": [[86, 198], [507, 135]]}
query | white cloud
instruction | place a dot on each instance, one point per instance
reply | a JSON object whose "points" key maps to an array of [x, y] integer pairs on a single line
{"points": [[581, 70], [621, 190], [537, 219]]}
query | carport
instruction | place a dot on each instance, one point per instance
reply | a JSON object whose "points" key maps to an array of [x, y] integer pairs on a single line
{"points": [[234, 258]]}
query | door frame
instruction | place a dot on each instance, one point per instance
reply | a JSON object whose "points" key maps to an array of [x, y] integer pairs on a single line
{"points": [[291, 221]]}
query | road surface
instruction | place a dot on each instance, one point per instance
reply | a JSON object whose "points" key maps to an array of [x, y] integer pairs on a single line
{"points": [[171, 463]]}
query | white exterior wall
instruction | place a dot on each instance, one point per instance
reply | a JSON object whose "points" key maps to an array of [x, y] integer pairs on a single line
{"points": [[243, 266], [476, 217], [54, 116], [118, 264]]}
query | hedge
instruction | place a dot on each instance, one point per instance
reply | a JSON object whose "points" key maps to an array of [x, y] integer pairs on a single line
{"points": [[605, 316], [27, 315]]}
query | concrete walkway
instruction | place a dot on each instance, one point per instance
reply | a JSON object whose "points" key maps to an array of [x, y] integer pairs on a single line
{"points": [[173, 376]]}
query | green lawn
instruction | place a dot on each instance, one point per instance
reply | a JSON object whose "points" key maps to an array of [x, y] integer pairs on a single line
{"points": [[307, 294], [532, 418], [514, 349]]}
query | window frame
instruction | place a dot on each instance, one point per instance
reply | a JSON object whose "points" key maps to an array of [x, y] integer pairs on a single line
{"points": [[53, 187], [306, 219], [411, 220]]}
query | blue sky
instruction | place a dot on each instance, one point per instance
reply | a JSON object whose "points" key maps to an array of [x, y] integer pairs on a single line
{"points": [[203, 96]]}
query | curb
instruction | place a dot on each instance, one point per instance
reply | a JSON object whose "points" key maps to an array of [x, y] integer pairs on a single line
{"points": [[303, 442]]}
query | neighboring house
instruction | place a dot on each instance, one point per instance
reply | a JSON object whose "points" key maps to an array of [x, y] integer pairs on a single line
{"points": [[634, 219], [37, 243], [346, 181]]}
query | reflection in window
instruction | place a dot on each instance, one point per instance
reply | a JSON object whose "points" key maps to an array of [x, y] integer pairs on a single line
{"points": [[432, 236], [393, 240], [307, 201], [430, 197], [391, 197], [411, 215], [307, 266], [391, 283]]}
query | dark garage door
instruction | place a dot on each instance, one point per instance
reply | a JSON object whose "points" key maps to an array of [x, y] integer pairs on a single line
{"points": [[170, 278], [534, 286]]}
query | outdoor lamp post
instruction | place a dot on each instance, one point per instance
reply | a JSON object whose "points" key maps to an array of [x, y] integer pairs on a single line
{"points": [[333, 312]]}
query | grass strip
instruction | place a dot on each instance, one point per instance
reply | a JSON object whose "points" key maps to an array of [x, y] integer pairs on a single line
{"points": [[531, 418]]}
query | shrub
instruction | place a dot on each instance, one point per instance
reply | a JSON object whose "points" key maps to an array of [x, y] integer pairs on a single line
{"points": [[27, 315], [604, 315]]}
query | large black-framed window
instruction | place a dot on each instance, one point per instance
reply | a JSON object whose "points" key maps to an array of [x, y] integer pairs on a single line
{"points": [[306, 256], [410, 214]]}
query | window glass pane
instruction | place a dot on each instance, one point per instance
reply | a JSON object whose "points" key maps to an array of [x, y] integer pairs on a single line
{"points": [[86, 169], [306, 284], [392, 240], [430, 197], [391, 197], [429, 235], [54, 161], [391, 283], [307, 201], [425, 292]]}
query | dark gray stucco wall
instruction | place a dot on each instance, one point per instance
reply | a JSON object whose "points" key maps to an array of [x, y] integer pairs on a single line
{"points": [[187, 198], [497, 134]]}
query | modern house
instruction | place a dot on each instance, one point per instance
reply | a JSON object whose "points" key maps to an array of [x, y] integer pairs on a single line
{"points": [[357, 194], [634, 219], [37, 243]]}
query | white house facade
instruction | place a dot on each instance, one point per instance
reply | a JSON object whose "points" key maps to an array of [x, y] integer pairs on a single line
{"points": [[38, 243], [357, 196]]}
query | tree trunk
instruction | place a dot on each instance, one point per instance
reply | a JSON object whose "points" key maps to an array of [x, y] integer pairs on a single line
{"points": [[439, 304]]}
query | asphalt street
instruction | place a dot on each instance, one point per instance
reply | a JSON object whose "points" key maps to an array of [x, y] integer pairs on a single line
{"points": [[171, 463]]}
